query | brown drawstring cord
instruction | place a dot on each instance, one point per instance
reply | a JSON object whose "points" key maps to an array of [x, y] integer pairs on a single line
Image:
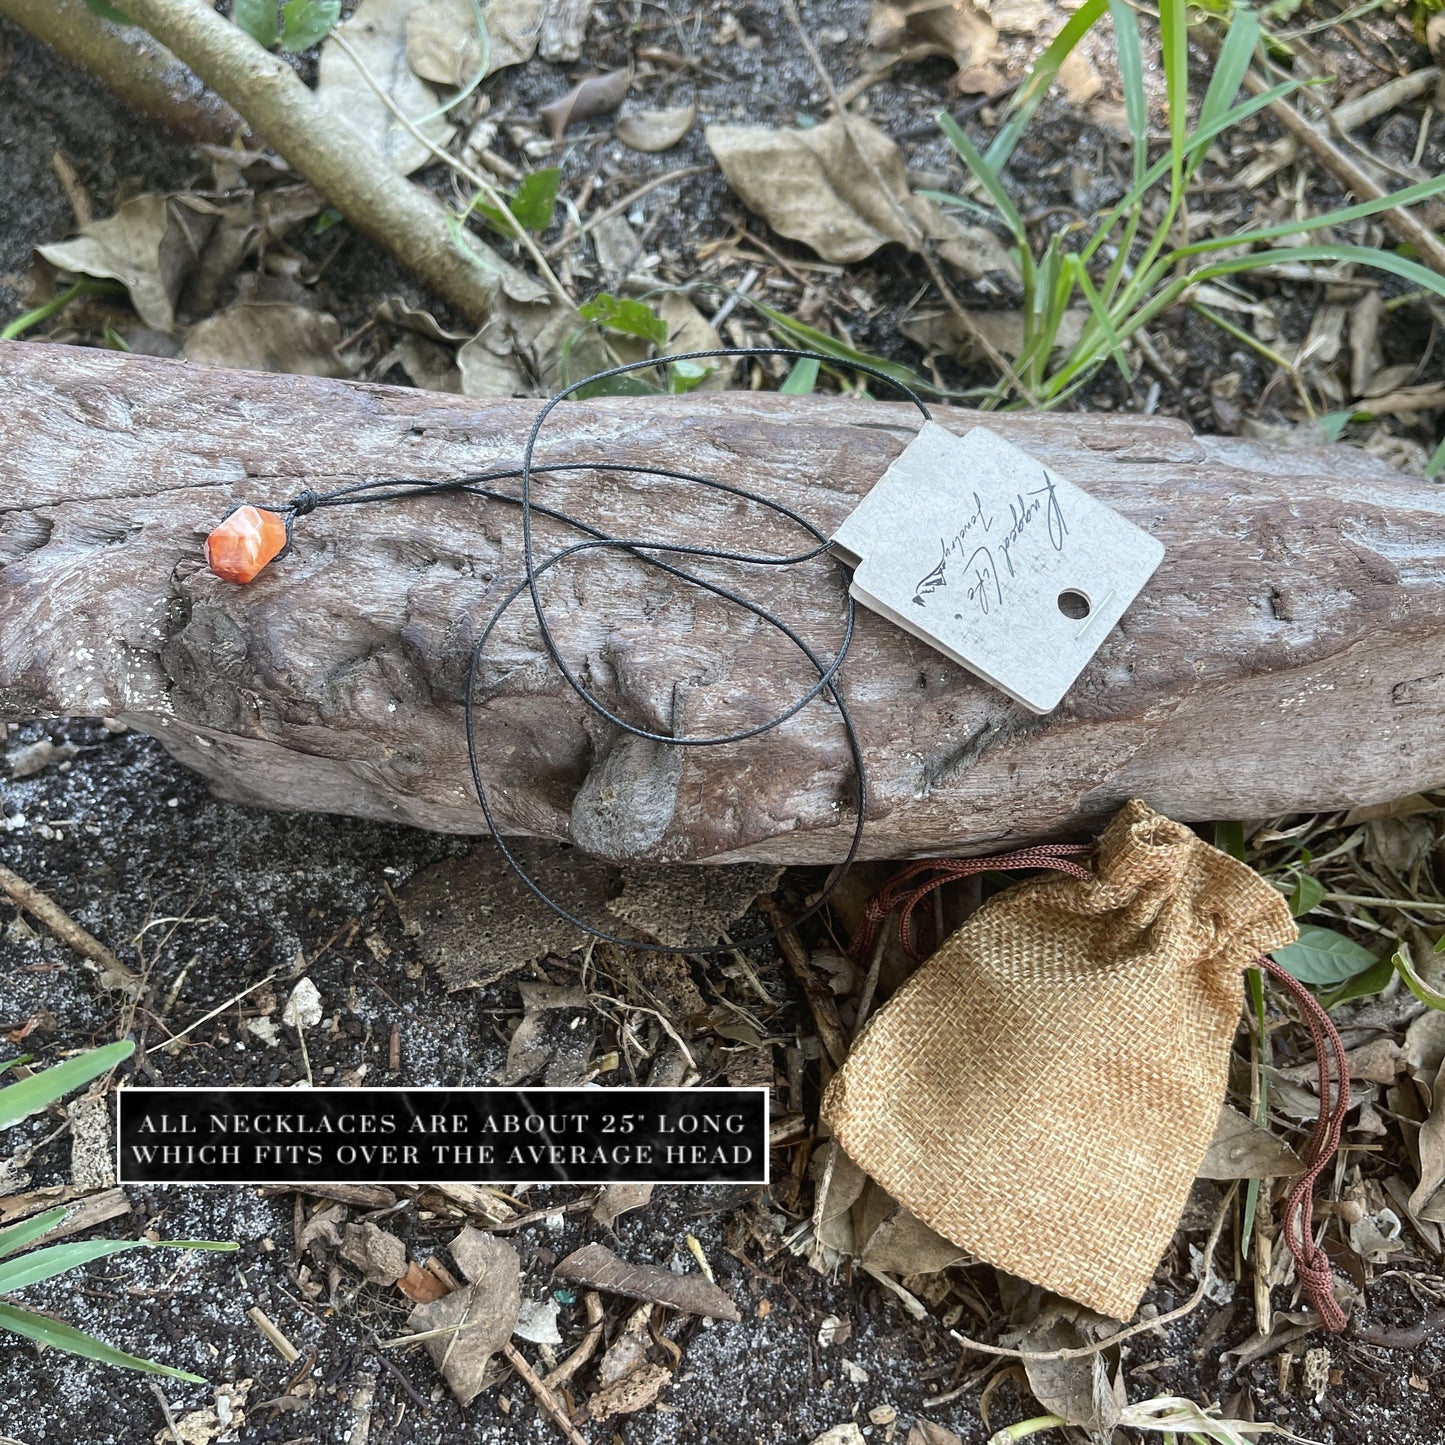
{"points": [[1311, 1263], [894, 893]]}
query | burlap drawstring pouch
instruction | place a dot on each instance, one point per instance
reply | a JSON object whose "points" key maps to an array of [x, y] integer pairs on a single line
{"points": [[1043, 1090]]}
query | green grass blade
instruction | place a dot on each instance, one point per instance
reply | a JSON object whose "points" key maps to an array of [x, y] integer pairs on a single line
{"points": [[76, 1342], [1128, 204], [809, 338], [1174, 37], [29, 1096], [1101, 318], [1408, 270], [1131, 73], [17, 1236], [1040, 78], [54, 1259], [802, 378], [1229, 70], [986, 176], [1436, 464], [963, 203], [1420, 191]]}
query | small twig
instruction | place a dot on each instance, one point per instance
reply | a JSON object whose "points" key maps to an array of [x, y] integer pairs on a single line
{"points": [[113, 973], [550, 1404], [484, 186], [870, 982], [576, 233], [587, 1346], [160, 1395], [1081, 1352], [505, 1226], [1406, 226], [219, 1008], [831, 1034], [283, 1346]]}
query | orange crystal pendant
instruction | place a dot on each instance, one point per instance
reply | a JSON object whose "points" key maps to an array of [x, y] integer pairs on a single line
{"points": [[244, 543]]}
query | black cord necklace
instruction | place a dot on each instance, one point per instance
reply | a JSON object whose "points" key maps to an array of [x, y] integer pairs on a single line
{"points": [[652, 553]]}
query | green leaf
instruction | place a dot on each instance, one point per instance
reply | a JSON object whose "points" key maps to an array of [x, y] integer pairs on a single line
{"points": [[76, 1342], [1333, 424], [1308, 891], [1371, 981], [17, 1236], [305, 23], [536, 198], [258, 19], [54, 1259], [107, 11], [803, 377], [1174, 38], [39, 1091], [1131, 73], [1436, 464], [1402, 965], [624, 315], [686, 376], [1323, 957], [809, 338], [985, 174], [1040, 78], [1234, 57], [1229, 838], [18, 1059]]}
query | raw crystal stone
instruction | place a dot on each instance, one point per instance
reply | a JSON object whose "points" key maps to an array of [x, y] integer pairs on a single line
{"points": [[244, 543]]}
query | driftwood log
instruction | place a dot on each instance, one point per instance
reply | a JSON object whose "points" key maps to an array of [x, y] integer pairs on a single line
{"points": [[1289, 654]]}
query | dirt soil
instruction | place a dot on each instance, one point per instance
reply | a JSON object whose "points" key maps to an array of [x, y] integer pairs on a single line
{"points": [[211, 899]]}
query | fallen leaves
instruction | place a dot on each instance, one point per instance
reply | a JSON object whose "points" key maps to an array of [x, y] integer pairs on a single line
{"points": [[594, 96], [595, 1266], [268, 336], [842, 188], [1242, 1149], [377, 32], [150, 246], [655, 130], [471, 1325]]}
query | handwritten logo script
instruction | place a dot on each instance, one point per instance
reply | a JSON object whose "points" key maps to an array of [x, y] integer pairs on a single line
{"points": [[966, 560]]}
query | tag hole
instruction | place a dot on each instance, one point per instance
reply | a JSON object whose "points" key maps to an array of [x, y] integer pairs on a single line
{"points": [[1074, 604]]}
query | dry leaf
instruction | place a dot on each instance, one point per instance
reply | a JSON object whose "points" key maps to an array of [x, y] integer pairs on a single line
{"points": [[303, 1008], [1425, 1044], [221, 1421], [598, 1268], [842, 188], [268, 336], [617, 1199], [1078, 79], [1241, 1149], [1080, 1391], [945, 333], [381, 1257], [655, 130], [848, 1434], [926, 1432], [631, 1393], [151, 245], [903, 1244], [949, 27], [486, 1311], [1432, 1154], [377, 31], [597, 95]]}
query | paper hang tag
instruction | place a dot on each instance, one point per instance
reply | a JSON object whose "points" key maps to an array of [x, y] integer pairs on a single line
{"points": [[985, 553]]}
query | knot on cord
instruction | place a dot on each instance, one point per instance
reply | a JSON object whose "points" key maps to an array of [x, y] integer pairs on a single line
{"points": [[305, 502]]}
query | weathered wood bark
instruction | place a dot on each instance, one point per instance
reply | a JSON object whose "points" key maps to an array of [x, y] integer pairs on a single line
{"points": [[1290, 653]]}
